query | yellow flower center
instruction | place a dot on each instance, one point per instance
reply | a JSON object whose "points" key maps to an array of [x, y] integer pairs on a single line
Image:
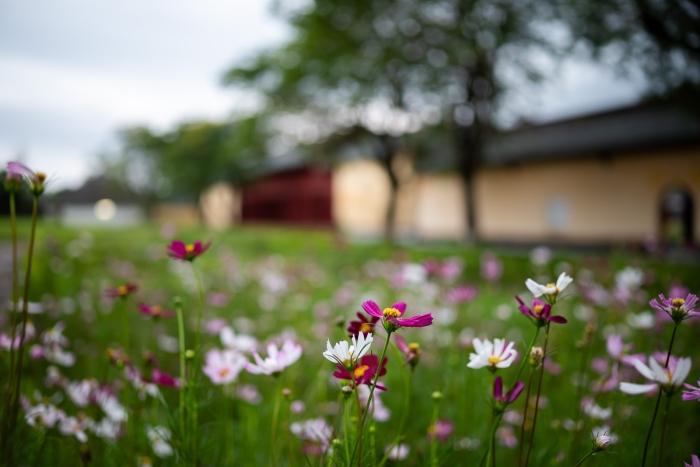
{"points": [[365, 327], [223, 372], [360, 371], [494, 359], [538, 309], [391, 312], [413, 347], [41, 176], [189, 248], [156, 310], [551, 285], [677, 302], [122, 290]]}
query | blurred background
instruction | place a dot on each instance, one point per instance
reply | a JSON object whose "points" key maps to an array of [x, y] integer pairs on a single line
{"points": [[563, 121]]}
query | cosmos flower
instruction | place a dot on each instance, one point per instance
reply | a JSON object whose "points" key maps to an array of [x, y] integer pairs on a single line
{"points": [[397, 452], [550, 291], [162, 378], [668, 379], [347, 354], [178, 250], [159, 436], [121, 291], [316, 432], [412, 350], [276, 361], [461, 294], [677, 308], [498, 354], [695, 460], [238, 342], [364, 371], [693, 394], [37, 180], [223, 367], [155, 311], [540, 312], [362, 324], [72, 426], [392, 317], [441, 431], [501, 400]]}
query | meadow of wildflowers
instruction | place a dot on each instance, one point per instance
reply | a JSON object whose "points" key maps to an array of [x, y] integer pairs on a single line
{"points": [[157, 347]]}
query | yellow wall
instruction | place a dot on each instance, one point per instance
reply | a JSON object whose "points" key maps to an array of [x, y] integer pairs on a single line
{"points": [[594, 199]]}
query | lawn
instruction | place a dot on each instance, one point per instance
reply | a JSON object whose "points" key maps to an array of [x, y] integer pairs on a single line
{"points": [[305, 286]]}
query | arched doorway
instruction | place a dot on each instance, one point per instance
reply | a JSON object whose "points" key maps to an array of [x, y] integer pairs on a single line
{"points": [[677, 211]]}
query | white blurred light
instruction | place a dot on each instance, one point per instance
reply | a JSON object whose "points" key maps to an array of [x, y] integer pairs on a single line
{"points": [[105, 209]]}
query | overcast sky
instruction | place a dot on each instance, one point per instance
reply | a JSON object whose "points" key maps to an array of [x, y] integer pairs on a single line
{"points": [[72, 72]]}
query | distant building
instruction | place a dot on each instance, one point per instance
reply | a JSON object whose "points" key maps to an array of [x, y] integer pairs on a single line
{"points": [[98, 202]]}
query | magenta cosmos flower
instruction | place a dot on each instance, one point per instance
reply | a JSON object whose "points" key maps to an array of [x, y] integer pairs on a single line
{"points": [[540, 312], [441, 431], [392, 317], [412, 350], [121, 291], [677, 308], [187, 252], [364, 372], [362, 324], [155, 311], [695, 460], [161, 378], [693, 394], [501, 400], [37, 180]]}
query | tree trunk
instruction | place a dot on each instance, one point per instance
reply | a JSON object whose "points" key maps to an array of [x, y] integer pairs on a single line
{"points": [[386, 153]]}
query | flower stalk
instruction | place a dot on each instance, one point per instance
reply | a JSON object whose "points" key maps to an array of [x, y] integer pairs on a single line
{"points": [[537, 399]]}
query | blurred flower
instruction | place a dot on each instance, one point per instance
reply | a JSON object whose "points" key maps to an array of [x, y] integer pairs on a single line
{"points": [[217, 299], [551, 291], [668, 379], [541, 312], [364, 371], [493, 355], [249, 394], [37, 180], [162, 378], [506, 437], [346, 354], [223, 367], [315, 431], [214, 326], [45, 415], [379, 411], [461, 294], [121, 291], [412, 350], [643, 320], [442, 431], [540, 256], [397, 452], [677, 308], [501, 400], [601, 442], [593, 410], [79, 391], [178, 250], [392, 316], [695, 460], [491, 267], [693, 394], [297, 407], [71, 426], [240, 343], [276, 361], [155, 311], [362, 324], [159, 436]]}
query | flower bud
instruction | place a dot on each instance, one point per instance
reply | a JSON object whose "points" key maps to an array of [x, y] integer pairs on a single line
{"points": [[189, 354], [437, 396], [601, 443], [336, 442], [536, 356], [346, 391], [287, 393]]}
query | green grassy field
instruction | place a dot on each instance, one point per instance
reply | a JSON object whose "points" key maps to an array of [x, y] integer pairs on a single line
{"points": [[307, 285]]}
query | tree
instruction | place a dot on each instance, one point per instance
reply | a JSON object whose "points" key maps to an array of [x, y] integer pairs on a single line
{"points": [[391, 67], [185, 161]]}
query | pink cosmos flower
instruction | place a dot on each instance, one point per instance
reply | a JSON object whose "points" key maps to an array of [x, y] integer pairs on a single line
{"points": [[693, 394], [392, 316], [37, 180], [695, 460], [412, 350], [491, 267], [461, 294], [161, 378], [364, 372], [178, 250], [155, 311], [362, 324], [502, 400], [506, 437], [121, 291], [540, 312], [223, 367], [276, 361], [441, 431], [679, 309]]}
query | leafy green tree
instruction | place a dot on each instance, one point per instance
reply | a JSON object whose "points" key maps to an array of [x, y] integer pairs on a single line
{"points": [[392, 67]]}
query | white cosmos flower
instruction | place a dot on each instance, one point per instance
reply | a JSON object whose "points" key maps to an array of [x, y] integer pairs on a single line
{"points": [[499, 354], [71, 426], [240, 343], [159, 437], [276, 361], [669, 379], [347, 354], [538, 290]]}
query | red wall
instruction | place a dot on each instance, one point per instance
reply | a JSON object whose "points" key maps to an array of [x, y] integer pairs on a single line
{"points": [[298, 197]]}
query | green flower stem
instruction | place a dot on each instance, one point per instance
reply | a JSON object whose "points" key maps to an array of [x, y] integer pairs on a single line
{"points": [[539, 390], [289, 431], [194, 366], [125, 324], [183, 375], [522, 427], [25, 313], [346, 431], [658, 400], [224, 422], [586, 457], [433, 437], [663, 429], [404, 417], [360, 417], [371, 392], [275, 413]]}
